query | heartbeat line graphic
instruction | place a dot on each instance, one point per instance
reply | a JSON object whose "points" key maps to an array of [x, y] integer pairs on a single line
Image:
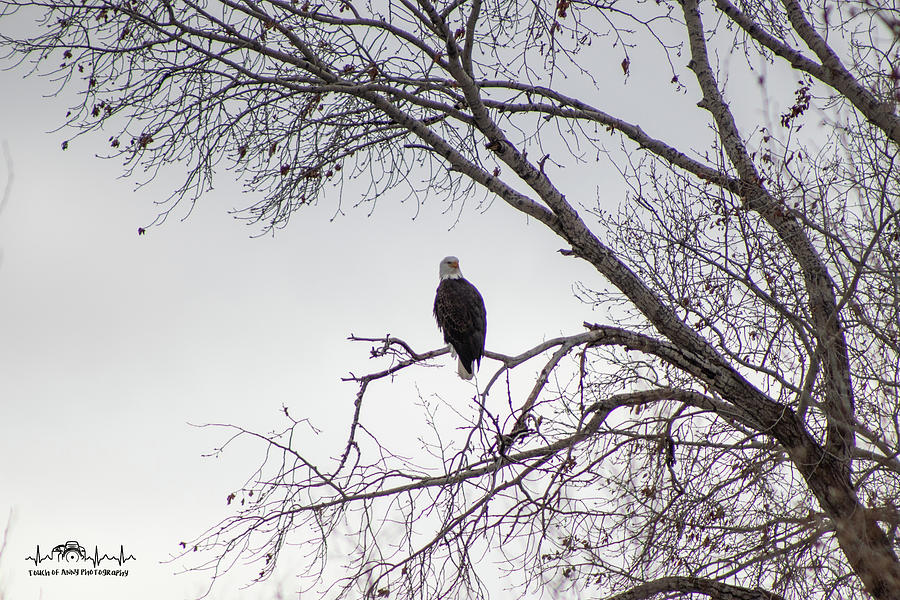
{"points": [[96, 559]]}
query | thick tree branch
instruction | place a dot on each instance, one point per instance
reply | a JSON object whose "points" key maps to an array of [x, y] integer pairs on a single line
{"points": [[861, 539], [831, 71], [687, 586], [819, 285], [837, 76]]}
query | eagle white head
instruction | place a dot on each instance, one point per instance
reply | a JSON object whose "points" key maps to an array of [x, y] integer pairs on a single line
{"points": [[449, 268]]}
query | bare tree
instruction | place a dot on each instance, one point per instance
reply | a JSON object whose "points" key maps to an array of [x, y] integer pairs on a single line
{"points": [[731, 432]]}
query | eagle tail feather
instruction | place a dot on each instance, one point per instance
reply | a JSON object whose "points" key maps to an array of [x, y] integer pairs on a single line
{"points": [[463, 371]]}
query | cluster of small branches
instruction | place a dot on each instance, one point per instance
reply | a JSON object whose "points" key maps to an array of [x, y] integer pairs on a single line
{"points": [[582, 486], [733, 434]]}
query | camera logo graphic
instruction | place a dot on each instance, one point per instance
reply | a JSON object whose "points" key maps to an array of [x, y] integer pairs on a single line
{"points": [[70, 552]]}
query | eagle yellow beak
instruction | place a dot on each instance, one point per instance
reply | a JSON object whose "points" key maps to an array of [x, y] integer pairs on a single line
{"points": [[455, 265]]}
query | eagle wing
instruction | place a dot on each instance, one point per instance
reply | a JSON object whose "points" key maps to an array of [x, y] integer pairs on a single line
{"points": [[461, 316]]}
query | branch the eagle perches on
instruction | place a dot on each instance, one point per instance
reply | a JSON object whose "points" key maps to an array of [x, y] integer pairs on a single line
{"points": [[403, 356]]}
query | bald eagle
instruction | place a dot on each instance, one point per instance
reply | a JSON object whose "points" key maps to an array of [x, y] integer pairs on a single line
{"points": [[460, 314]]}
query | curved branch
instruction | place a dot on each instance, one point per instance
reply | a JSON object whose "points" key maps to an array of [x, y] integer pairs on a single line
{"points": [[695, 585], [837, 76], [831, 71]]}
